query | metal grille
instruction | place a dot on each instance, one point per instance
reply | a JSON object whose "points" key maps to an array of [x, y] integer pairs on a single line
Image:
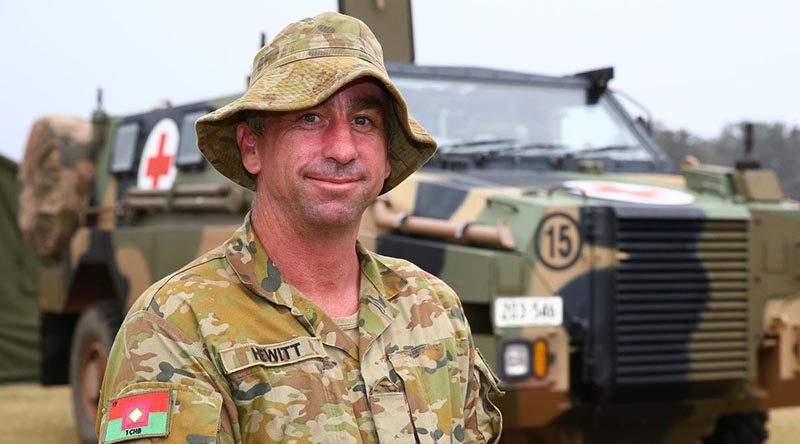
{"points": [[681, 303]]}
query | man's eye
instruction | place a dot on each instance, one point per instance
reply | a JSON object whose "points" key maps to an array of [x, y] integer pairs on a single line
{"points": [[361, 121], [310, 118]]}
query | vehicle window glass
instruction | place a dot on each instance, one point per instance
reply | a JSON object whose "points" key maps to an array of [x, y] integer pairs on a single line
{"points": [[188, 152], [539, 119], [586, 127], [124, 148]]}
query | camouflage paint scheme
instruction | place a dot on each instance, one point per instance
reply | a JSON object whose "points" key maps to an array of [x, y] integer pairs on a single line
{"points": [[738, 263], [125, 249], [58, 173], [736, 315]]}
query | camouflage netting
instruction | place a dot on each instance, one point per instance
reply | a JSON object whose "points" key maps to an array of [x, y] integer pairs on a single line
{"points": [[56, 175], [19, 318]]}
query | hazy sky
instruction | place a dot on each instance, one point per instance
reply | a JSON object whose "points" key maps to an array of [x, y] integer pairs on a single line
{"points": [[695, 64]]}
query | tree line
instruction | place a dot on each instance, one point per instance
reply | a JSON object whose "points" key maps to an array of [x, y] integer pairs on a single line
{"points": [[775, 145]]}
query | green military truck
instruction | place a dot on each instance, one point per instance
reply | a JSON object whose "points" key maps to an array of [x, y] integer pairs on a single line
{"points": [[620, 300]]}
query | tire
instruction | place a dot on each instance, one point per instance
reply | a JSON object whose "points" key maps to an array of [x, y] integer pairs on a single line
{"points": [[740, 428], [91, 343]]}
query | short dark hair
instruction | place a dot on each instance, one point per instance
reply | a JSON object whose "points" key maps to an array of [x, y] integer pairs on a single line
{"points": [[255, 120]]}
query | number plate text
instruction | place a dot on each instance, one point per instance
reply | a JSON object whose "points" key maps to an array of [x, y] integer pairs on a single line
{"points": [[539, 311]]}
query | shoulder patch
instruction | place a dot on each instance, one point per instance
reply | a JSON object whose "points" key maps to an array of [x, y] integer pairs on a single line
{"points": [[140, 415]]}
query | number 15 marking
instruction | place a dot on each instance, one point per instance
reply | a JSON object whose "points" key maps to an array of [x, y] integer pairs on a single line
{"points": [[558, 241]]}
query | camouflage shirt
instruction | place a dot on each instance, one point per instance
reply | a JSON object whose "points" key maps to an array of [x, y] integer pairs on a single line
{"points": [[232, 353]]}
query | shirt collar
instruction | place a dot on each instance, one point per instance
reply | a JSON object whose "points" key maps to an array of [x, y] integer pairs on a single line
{"points": [[379, 285]]}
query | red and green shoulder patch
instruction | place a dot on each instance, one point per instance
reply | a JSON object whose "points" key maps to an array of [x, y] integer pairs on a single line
{"points": [[141, 415]]}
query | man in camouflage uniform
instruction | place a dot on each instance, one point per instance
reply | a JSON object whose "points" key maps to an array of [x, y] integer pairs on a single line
{"points": [[291, 331]]}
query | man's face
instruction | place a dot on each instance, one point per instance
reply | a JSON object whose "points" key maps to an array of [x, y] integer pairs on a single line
{"points": [[323, 165]]}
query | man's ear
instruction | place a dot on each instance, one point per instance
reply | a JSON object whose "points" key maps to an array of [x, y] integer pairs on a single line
{"points": [[388, 169], [248, 148]]}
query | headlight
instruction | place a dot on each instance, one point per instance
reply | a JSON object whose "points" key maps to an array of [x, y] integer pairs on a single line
{"points": [[516, 359], [522, 359]]}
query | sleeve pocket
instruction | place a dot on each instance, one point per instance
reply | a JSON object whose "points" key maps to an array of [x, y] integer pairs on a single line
{"points": [[162, 412]]}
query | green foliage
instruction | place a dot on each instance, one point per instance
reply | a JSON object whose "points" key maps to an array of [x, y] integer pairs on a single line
{"points": [[775, 146]]}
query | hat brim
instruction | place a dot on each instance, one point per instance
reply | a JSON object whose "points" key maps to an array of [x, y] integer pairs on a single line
{"points": [[303, 84]]}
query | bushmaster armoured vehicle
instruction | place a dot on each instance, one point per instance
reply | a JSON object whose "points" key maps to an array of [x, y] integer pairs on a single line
{"points": [[618, 299]]}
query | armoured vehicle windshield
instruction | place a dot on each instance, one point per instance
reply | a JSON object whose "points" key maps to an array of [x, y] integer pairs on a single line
{"points": [[522, 119]]}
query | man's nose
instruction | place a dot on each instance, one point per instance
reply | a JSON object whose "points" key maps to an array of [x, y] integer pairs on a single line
{"points": [[340, 144]]}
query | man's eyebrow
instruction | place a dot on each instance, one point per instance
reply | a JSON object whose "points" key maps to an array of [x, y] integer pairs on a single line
{"points": [[368, 102], [360, 103]]}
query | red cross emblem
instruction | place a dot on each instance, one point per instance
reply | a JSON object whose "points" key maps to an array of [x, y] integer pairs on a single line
{"points": [[612, 188], [631, 192], [156, 166], [159, 165]]}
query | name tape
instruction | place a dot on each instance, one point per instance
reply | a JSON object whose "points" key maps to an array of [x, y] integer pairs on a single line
{"points": [[242, 356]]}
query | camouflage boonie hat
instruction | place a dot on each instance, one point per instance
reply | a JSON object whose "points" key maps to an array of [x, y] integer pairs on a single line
{"points": [[303, 66]]}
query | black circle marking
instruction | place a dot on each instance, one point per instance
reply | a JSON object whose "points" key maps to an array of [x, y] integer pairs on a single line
{"points": [[558, 245]]}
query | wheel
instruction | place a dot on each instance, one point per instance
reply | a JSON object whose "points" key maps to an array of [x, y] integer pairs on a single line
{"points": [[91, 344], [740, 428]]}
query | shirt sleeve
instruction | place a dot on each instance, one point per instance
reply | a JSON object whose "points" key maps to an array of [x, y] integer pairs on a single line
{"points": [[483, 420], [162, 385]]}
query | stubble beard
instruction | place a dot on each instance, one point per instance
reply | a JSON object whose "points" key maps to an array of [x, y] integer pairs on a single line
{"points": [[306, 210], [334, 213]]}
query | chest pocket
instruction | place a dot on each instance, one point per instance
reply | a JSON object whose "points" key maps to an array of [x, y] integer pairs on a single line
{"points": [[286, 391], [433, 389]]}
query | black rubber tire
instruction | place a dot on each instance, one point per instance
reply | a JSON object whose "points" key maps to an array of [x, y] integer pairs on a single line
{"points": [[55, 333], [740, 428], [94, 335]]}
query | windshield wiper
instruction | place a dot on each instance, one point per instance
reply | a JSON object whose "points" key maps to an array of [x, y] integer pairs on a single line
{"points": [[476, 146], [477, 151], [535, 148], [547, 149], [601, 149], [457, 154]]}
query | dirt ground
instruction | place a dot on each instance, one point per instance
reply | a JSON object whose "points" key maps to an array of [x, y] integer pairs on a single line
{"points": [[43, 415]]}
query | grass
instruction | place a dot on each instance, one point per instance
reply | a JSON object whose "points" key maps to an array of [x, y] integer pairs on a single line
{"points": [[43, 415], [35, 414], [784, 426]]}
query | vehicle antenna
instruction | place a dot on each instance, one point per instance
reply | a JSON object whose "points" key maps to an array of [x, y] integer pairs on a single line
{"points": [[748, 139], [748, 162], [99, 98], [99, 126], [263, 43]]}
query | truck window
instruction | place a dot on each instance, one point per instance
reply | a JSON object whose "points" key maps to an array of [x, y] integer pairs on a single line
{"points": [[124, 148], [539, 119], [188, 153]]}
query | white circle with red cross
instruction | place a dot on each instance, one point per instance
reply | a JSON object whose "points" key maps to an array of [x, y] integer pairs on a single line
{"points": [[629, 192], [157, 166]]}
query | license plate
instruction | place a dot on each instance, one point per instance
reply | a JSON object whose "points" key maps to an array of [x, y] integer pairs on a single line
{"points": [[529, 311]]}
